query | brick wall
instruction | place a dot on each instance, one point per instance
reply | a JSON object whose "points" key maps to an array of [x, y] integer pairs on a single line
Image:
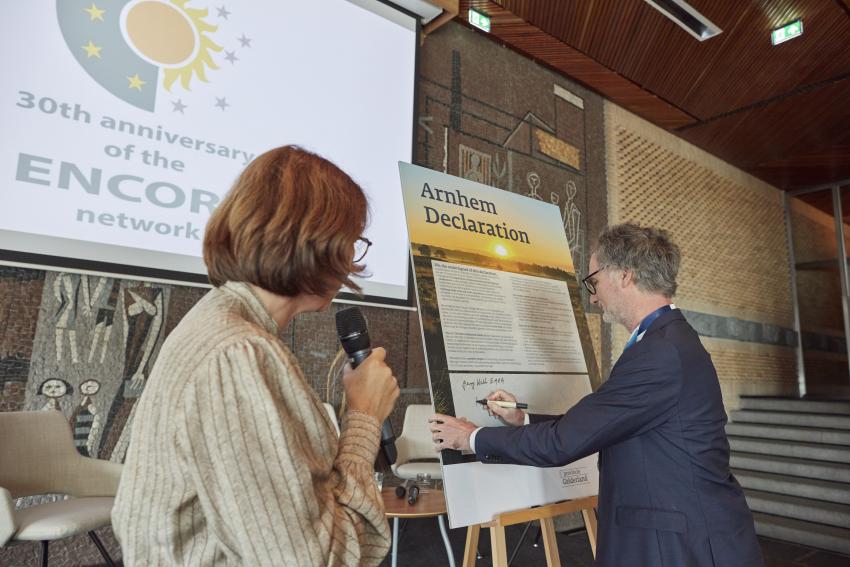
{"points": [[734, 279]]}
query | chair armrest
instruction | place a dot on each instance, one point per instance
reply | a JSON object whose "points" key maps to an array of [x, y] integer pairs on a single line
{"points": [[8, 527], [402, 446], [95, 477]]}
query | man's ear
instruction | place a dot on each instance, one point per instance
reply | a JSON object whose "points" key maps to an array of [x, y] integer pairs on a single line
{"points": [[627, 277]]}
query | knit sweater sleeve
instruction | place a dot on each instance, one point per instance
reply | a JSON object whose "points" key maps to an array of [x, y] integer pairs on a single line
{"points": [[249, 441]]}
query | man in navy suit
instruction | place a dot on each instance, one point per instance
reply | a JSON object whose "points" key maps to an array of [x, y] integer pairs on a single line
{"points": [[666, 495]]}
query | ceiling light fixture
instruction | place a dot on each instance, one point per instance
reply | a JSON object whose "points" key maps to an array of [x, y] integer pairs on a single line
{"points": [[686, 17]]}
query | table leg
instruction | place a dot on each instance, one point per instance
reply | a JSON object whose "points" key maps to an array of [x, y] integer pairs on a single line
{"points": [[395, 542], [443, 531]]}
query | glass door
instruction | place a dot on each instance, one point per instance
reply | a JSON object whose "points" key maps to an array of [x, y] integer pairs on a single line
{"points": [[819, 238]]}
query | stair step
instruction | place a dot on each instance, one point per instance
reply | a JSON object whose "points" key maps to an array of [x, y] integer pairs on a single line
{"points": [[830, 538], [837, 407], [809, 488], [805, 434], [814, 452], [820, 512], [836, 472], [792, 418]]}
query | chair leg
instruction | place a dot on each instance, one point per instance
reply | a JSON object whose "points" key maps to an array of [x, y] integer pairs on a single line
{"points": [[101, 549], [44, 553], [537, 537], [519, 543]]}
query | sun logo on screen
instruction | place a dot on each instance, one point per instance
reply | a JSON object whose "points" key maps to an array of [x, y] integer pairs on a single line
{"points": [[500, 250], [134, 47], [186, 54]]}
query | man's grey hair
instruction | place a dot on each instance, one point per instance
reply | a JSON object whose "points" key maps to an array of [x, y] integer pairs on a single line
{"points": [[646, 251]]}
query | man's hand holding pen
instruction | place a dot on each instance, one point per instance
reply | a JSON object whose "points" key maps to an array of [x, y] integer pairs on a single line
{"points": [[453, 433], [508, 415]]}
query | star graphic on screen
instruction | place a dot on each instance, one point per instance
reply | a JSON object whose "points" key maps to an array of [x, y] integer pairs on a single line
{"points": [[245, 41], [136, 82], [221, 103], [92, 50], [178, 106], [231, 56], [95, 13], [222, 12]]}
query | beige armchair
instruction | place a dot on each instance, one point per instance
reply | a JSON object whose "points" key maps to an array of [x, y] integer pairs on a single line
{"points": [[38, 456], [415, 447]]}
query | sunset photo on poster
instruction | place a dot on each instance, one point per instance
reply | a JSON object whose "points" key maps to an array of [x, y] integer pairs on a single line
{"points": [[461, 217]]}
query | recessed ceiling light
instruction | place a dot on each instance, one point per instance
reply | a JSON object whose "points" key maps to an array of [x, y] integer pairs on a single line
{"points": [[686, 17]]}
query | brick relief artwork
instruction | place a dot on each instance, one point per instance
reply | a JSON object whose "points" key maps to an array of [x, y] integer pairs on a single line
{"points": [[489, 115], [94, 347]]}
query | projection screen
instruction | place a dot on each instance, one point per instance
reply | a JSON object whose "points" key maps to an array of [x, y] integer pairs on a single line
{"points": [[127, 121]]}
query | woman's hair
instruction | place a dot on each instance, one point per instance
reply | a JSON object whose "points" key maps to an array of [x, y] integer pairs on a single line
{"points": [[288, 225]]}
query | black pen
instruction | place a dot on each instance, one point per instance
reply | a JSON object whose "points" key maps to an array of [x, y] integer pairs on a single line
{"points": [[503, 404]]}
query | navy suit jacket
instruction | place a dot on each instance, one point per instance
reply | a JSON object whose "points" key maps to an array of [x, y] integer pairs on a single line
{"points": [[666, 495]]}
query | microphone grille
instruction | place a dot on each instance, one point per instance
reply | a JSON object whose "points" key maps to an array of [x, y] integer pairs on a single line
{"points": [[350, 320], [352, 330]]}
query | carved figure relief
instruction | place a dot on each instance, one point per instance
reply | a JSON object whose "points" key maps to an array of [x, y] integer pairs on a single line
{"points": [[85, 421]]}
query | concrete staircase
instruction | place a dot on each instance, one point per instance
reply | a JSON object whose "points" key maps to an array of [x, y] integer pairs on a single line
{"points": [[792, 457]]}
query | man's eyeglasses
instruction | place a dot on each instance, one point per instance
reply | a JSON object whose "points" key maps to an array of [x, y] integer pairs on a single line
{"points": [[591, 286], [361, 246]]}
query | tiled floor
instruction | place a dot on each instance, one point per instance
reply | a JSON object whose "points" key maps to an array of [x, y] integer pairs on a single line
{"points": [[420, 545]]}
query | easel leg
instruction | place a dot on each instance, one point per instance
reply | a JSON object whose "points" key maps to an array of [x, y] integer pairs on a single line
{"points": [[550, 544], [499, 547], [590, 524], [469, 553]]}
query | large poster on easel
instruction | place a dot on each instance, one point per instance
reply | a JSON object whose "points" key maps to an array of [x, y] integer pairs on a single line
{"points": [[500, 308]]}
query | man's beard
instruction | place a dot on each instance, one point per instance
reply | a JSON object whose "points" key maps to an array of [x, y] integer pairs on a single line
{"points": [[611, 316]]}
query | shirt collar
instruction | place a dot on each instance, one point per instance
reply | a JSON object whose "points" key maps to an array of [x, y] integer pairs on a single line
{"points": [[253, 306]]}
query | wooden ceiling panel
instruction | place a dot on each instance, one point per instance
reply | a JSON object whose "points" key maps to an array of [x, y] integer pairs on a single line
{"points": [[747, 69], [779, 112], [771, 132], [737, 68], [809, 168], [507, 28]]}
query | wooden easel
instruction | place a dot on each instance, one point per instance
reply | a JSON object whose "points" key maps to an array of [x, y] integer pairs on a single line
{"points": [[545, 514]]}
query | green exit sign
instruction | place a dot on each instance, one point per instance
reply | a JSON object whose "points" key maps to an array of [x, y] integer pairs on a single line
{"points": [[479, 20], [786, 32]]}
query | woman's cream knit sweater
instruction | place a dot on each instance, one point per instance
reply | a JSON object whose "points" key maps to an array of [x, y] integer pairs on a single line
{"points": [[233, 460]]}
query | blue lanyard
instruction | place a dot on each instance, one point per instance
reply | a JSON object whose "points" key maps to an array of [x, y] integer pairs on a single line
{"points": [[647, 321]]}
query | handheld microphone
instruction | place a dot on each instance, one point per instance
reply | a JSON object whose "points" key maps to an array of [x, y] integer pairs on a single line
{"points": [[354, 336], [412, 495], [401, 489]]}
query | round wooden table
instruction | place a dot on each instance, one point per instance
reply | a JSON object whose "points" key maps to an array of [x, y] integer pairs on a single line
{"points": [[428, 505]]}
